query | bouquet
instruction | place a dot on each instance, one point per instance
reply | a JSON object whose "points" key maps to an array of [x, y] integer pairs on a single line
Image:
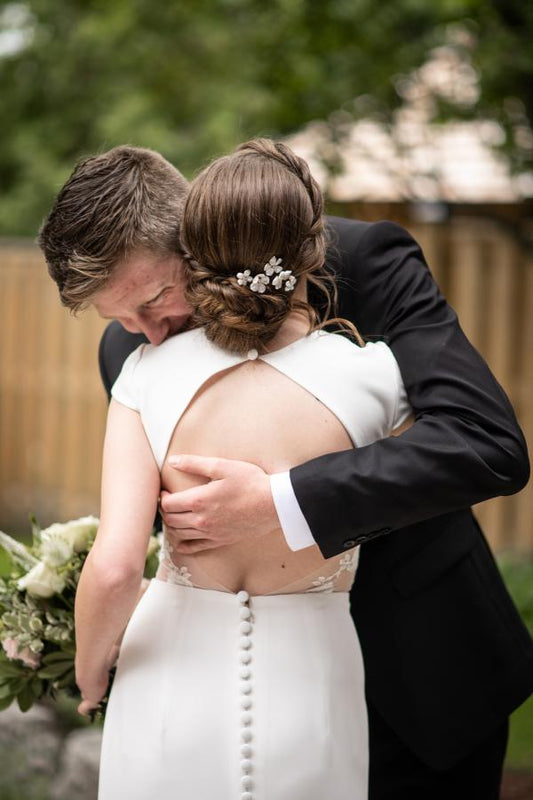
{"points": [[37, 609]]}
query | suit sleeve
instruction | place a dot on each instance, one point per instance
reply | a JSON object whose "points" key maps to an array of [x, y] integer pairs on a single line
{"points": [[103, 361], [115, 346], [465, 445]]}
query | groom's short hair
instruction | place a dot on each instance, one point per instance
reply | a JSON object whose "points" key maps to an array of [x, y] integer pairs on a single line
{"points": [[113, 204]]}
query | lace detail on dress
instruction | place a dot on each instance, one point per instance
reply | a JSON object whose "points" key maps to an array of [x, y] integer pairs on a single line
{"points": [[171, 571], [323, 583], [336, 574]]}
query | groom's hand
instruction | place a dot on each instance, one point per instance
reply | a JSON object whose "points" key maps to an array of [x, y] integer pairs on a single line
{"points": [[236, 504]]}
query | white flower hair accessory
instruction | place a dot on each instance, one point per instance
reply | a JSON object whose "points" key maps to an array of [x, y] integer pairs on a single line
{"points": [[259, 283], [283, 278], [274, 265], [243, 278]]}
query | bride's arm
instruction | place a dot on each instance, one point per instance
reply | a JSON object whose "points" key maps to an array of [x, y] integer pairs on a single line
{"points": [[110, 581]]}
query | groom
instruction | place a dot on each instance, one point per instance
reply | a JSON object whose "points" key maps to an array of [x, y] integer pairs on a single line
{"points": [[447, 657]]}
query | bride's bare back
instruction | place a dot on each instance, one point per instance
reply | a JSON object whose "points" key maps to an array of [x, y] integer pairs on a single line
{"points": [[318, 394], [253, 412]]}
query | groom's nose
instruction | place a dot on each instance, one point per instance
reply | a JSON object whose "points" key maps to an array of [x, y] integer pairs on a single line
{"points": [[155, 332]]}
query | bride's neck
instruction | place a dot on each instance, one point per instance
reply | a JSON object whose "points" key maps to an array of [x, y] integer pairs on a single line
{"points": [[296, 325]]}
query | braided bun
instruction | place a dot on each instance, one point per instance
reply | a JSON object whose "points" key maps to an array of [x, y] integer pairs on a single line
{"points": [[234, 317], [242, 210]]}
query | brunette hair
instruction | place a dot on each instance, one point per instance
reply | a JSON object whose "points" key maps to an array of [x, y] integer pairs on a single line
{"points": [[112, 204], [261, 201]]}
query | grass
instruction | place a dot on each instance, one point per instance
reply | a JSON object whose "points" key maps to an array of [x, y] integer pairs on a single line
{"points": [[518, 576], [520, 749]]}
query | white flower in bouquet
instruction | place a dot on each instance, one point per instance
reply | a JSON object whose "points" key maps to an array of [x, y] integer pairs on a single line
{"points": [[154, 544], [55, 551], [63, 537], [41, 581], [37, 609]]}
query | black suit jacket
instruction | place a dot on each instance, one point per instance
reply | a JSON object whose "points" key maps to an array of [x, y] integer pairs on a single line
{"points": [[447, 657]]}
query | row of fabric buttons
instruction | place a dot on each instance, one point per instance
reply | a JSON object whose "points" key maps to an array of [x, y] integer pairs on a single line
{"points": [[365, 537], [245, 672]]}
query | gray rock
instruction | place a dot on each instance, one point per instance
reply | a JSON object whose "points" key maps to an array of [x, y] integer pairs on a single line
{"points": [[29, 750], [77, 776]]}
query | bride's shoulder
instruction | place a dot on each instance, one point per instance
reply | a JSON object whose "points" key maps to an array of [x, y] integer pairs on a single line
{"points": [[373, 364], [190, 351], [344, 344], [177, 344]]}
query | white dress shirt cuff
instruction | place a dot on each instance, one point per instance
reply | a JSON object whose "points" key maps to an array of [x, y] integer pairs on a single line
{"points": [[293, 523]]}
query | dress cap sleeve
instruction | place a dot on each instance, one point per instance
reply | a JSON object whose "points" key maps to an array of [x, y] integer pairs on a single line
{"points": [[126, 389], [402, 407]]}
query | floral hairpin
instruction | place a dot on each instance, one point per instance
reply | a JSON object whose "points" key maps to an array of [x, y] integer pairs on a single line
{"points": [[283, 278]]}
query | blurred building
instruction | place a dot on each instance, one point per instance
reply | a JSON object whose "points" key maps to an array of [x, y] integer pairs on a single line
{"points": [[412, 165]]}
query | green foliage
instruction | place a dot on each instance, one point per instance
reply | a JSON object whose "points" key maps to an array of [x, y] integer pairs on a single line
{"points": [[152, 564], [193, 79], [520, 749], [518, 576], [37, 588], [6, 565]]}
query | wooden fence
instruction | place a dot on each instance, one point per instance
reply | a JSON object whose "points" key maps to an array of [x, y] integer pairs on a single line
{"points": [[52, 405], [488, 279]]}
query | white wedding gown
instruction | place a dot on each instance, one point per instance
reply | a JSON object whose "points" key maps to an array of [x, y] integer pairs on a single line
{"points": [[222, 696]]}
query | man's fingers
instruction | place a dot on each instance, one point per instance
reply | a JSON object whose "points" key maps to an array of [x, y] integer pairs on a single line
{"points": [[182, 523], [207, 466], [176, 502], [185, 532], [188, 500], [188, 547]]}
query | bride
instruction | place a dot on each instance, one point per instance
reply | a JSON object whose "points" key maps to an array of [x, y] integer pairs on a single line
{"points": [[240, 673]]}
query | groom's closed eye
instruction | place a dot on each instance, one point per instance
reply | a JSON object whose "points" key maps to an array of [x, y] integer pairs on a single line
{"points": [[159, 296], [152, 301]]}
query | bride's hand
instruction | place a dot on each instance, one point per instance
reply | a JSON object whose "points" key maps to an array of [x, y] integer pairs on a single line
{"points": [[89, 704], [235, 505], [94, 687]]}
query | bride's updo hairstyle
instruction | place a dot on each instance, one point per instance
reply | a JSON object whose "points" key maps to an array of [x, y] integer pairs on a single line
{"points": [[258, 203]]}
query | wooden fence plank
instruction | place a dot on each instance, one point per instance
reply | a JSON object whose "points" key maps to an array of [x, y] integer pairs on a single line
{"points": [[501, 333], [434, 241], [523, 540], [466, 283]]}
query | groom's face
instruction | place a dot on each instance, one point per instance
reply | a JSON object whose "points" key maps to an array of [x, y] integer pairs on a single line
{"points": [[145, 294]]}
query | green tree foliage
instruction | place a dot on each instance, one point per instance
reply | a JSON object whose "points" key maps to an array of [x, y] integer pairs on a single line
{"points": [[503, 55], [192, 78]]}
